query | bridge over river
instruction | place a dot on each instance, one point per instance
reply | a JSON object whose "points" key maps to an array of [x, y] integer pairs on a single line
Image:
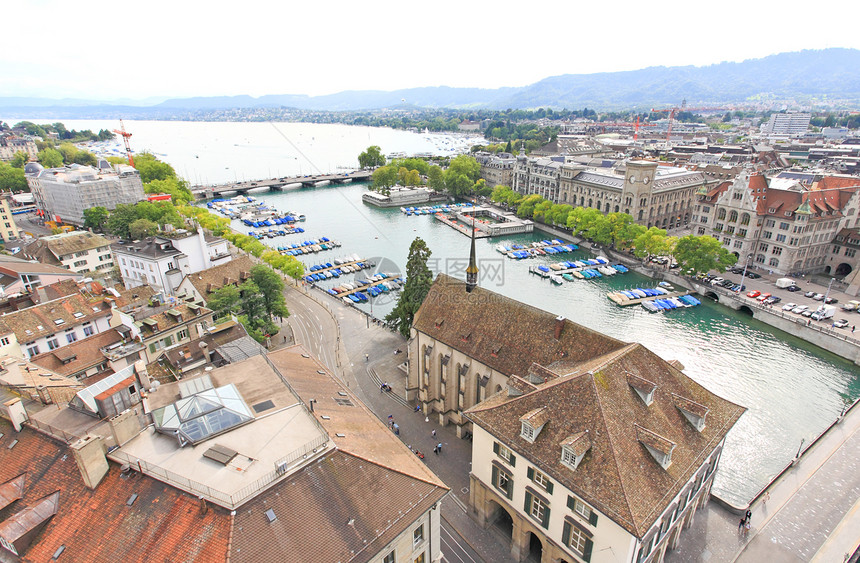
{"points": [[208, 192]]}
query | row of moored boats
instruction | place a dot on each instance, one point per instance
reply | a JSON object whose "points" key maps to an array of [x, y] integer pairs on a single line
{"points": [[309, 246], [359, 291], [433, 209]]}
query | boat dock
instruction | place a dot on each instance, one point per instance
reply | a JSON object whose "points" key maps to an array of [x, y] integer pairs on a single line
{"points": [[309, 247], [463, 228], [616, 298], [541, 248], [354, 265]]}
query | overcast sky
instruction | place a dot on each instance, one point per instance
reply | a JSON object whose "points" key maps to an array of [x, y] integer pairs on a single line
{"points": [[178, 48]]}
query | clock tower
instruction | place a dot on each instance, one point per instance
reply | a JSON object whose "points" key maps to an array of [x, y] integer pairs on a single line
{"points": [[638, 182]]}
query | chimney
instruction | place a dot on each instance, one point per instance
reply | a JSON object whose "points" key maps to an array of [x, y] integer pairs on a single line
{"points": [[124, 427], [89, 454], [16, 412], [204, 507], [142, 374], [42, 293], [559, 324]]}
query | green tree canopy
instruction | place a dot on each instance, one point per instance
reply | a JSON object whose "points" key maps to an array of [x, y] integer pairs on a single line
{"points": [[418, 281], [95, 218], [385, 177], [12, 179], [702, 254], [142, 228], [178, 189], [650, 243], [19, 159], [372, 157], [461, 175], [225, 301], [271, 287], [151, 168], [436, 178], [50, 158]]}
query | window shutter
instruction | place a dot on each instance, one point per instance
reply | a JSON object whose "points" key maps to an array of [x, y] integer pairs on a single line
{"points": [[592, 518], [513, 460], [528, 505], [571, 504], [510, 489], [545, 522], [495, 476], [496, 448], [565, 534], [531, 473], [586, 556], [549, 487]]}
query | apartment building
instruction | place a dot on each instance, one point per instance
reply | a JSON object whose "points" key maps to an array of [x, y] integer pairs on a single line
{"points": [[79, 251]]}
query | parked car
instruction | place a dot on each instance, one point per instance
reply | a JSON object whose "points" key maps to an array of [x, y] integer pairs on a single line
{"points": [[841, 323], [736, 270], [717, 281], [738, 288], [809, 294], [807, 313], [763, 296], [793, 288], [818, 297], [753, 275], [728, 283], [831, 300], [800, 309], [789, 306], [754, 293], [772, 299]]}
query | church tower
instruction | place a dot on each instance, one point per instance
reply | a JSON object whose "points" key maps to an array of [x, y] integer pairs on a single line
{"points": [[472, 270]]}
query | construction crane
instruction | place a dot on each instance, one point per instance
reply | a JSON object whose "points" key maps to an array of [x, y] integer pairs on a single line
{"points": [[675, 110], [125, 138]]}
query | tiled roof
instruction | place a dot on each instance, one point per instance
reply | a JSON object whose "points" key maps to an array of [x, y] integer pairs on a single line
{"points": [[163, 524], [16, 267], [213, 278], [70, 243], [526, 333], [152, 247], [618, 475], [331, 511], [167, 321], [35, 322], [87, 353]]}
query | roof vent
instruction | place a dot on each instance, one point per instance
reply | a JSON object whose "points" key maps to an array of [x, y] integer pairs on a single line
{"points": [[270, 515], [131, 499]]}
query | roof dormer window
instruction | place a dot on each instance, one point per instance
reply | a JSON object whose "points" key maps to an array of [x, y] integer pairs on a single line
{"points": [[692, 411], [574, 448], [532, 423], [659, 447], [644, 388]]}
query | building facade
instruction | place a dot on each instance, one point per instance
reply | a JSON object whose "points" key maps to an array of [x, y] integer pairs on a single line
{"points": [[162, 261], [8, 230], [653, 195], [496, 169], [79, 251], [787, 124], [64, 193], [12, 144]]}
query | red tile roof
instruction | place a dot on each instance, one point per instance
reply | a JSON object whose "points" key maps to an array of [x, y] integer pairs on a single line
{"points": [[163, 524]]}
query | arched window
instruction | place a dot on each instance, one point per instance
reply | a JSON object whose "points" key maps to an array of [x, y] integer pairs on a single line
{"points": [[674, 207], [606, 208], [745, 219], [733, 216], [589, 203], [617, 209], [773, 262], [641, 213], [721, 215], [759, 258]]}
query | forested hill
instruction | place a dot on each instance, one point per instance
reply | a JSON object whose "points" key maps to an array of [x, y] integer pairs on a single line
{"points": [[800, 77]]}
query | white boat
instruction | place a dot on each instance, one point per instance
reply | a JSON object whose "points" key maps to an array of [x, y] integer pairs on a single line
{"points": [[556, 279], [649, 306]]}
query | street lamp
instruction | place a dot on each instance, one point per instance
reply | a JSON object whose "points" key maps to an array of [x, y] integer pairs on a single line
{"points": [[826, 295], [743, 275]]}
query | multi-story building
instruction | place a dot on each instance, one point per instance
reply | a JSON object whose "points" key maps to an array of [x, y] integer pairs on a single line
{"points": [[162, 261], [161, 327], [25, 275], [64, 193], [8, 230], [659, 196], [200, 286], [787, 124], [267, 459], [12, 144], [585, 448], [778, 224], [496, 169], [79, 251]]}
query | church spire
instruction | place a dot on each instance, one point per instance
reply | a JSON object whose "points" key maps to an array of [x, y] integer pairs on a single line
{"points": [[472, 270]]}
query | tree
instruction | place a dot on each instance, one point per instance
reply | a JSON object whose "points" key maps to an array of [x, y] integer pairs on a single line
{"points": [[527, 206], [95, 218], [371, 158], [271, 287], [581, 219], [384, 177], [178, 189], [650, 243], [418, 281], [142, 228], [482, 189], [541, 210], [436, 178], [225, 301], [12, 179], [50, 158], [461, 175], [19, 159], [151, 168], [120, 219], [702, 254]]}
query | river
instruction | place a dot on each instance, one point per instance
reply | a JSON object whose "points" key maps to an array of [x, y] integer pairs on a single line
{"points": [[793, 390]]}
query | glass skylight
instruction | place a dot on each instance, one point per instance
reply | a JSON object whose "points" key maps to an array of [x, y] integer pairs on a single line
{"points": [[201, 416]]}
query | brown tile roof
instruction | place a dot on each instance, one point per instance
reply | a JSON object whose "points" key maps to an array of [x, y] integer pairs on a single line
{"points": [[331, 510], [163, 524], [30, 324], [87, 353], [654, 440], [579, 442], [48, 250], [167, 321], [618, 476], [213, 278], [525, 333], [16, 267]]}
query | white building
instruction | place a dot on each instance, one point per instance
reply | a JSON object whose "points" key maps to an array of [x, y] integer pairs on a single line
{"points": [[79, 251], [162, 261], [64, 193], [787, 124]]}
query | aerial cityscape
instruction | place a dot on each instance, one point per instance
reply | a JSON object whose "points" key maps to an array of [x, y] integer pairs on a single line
{"points": [[380, 304]]}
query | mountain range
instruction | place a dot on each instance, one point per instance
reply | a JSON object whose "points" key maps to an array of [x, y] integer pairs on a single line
{"points": [[798, 77]]}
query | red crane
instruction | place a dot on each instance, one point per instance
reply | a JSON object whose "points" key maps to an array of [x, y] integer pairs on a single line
{"points": [[674, 110], [125, 138]]}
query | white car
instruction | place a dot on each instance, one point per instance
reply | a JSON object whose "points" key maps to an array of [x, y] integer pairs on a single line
{"points": [[717, 281], [789, 306], [799, 309]]}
